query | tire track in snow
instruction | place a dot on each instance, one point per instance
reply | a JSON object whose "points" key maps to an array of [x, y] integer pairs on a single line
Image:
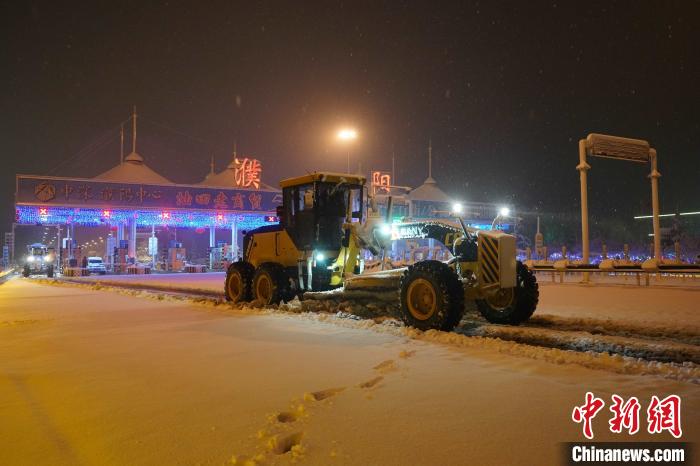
{"points": [[660, 344], [623, 329]]}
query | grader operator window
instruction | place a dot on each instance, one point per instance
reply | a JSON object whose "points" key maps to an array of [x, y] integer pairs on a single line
{"points": [[314, 213]]}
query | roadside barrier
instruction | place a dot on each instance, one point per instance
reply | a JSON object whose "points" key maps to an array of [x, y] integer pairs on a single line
{"points": [[624, 269]]}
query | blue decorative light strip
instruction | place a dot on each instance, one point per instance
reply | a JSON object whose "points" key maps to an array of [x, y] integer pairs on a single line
{"points": [[30, 215]]}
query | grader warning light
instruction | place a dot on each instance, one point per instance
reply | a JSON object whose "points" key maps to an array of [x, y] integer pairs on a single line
{"points": [[317, 247]]}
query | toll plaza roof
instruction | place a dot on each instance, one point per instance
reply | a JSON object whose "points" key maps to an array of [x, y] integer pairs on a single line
{"points": [[133, 170], [329, 177], [429, 191]]}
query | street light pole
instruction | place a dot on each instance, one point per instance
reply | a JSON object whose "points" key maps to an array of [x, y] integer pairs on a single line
{"points": [[347, 135]]}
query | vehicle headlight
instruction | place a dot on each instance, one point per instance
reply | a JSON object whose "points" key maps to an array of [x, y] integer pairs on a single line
{"points": [[30, 258], [47, 258], [385, 229], [320, 257]]}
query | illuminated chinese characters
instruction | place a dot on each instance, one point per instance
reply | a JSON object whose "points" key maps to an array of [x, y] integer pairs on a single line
{"points": [[102, 195], [381, 182], [247, 173], [662, 415]]}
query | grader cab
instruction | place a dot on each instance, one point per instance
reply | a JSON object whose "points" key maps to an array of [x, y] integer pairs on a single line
{"points": [[325, 223]]}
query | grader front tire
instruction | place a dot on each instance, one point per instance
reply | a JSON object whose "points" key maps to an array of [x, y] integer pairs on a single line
{"points": [[238, 282], [520, 307], [432, 296]]}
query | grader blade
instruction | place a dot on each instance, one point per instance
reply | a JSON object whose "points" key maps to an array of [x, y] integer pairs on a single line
{"points": [[369, 295]]}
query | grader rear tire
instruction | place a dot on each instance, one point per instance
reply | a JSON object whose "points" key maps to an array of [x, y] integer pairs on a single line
{"points": [[270, 285], [238, 282], [513, 306], [432, 296]]}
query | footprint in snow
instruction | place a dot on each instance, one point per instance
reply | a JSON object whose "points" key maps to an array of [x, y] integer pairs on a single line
{"points": [[323, 394], [385, 366], [371, 383], [282, 445], [286, 417]]}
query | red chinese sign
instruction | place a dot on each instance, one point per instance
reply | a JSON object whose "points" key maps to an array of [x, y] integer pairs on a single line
{"points": [[247, 173], [381, 182], [662, 415], [105, 195]]}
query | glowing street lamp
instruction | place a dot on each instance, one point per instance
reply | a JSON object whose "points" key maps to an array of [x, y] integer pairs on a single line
{"points": [[503, 212], [347, 135]]}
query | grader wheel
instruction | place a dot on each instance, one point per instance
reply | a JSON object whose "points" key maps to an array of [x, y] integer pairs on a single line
{"points": [[513, 305], [270, 286], [238, 282], [431, 296]]}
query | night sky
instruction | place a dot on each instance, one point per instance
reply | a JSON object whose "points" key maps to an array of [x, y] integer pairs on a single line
{"points": [[504, 90]]}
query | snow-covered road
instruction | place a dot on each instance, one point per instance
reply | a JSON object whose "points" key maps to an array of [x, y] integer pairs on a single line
{"points": [[98, 377]]}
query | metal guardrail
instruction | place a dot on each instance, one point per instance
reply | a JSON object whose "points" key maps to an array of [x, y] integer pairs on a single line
{"points": [[646, 269]]}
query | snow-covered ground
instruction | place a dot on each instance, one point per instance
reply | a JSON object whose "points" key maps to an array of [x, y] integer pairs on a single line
{"points": [[212, 281], [103, 377]]}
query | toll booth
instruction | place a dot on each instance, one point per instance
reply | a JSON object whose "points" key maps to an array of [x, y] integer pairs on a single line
{"points": [[177, 257]]}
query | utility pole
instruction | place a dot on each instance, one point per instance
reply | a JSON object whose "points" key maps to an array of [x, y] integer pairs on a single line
{"points": [[133, 129], [430, 158], [121, 138]]}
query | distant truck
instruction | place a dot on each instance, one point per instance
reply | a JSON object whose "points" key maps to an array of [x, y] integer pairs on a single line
{"points": [[96, 265], [39, 261]]}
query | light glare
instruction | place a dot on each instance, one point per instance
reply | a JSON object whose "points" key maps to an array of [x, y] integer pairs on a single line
{"points": [[347, 134]]}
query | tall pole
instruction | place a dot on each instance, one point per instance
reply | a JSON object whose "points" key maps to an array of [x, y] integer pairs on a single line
{"points": [[583, 168], [430, 158], [133, 131], [121, 138], [655, 175]]}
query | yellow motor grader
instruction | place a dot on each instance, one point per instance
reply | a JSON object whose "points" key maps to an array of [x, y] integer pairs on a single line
{"points": [[325, 224]]}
